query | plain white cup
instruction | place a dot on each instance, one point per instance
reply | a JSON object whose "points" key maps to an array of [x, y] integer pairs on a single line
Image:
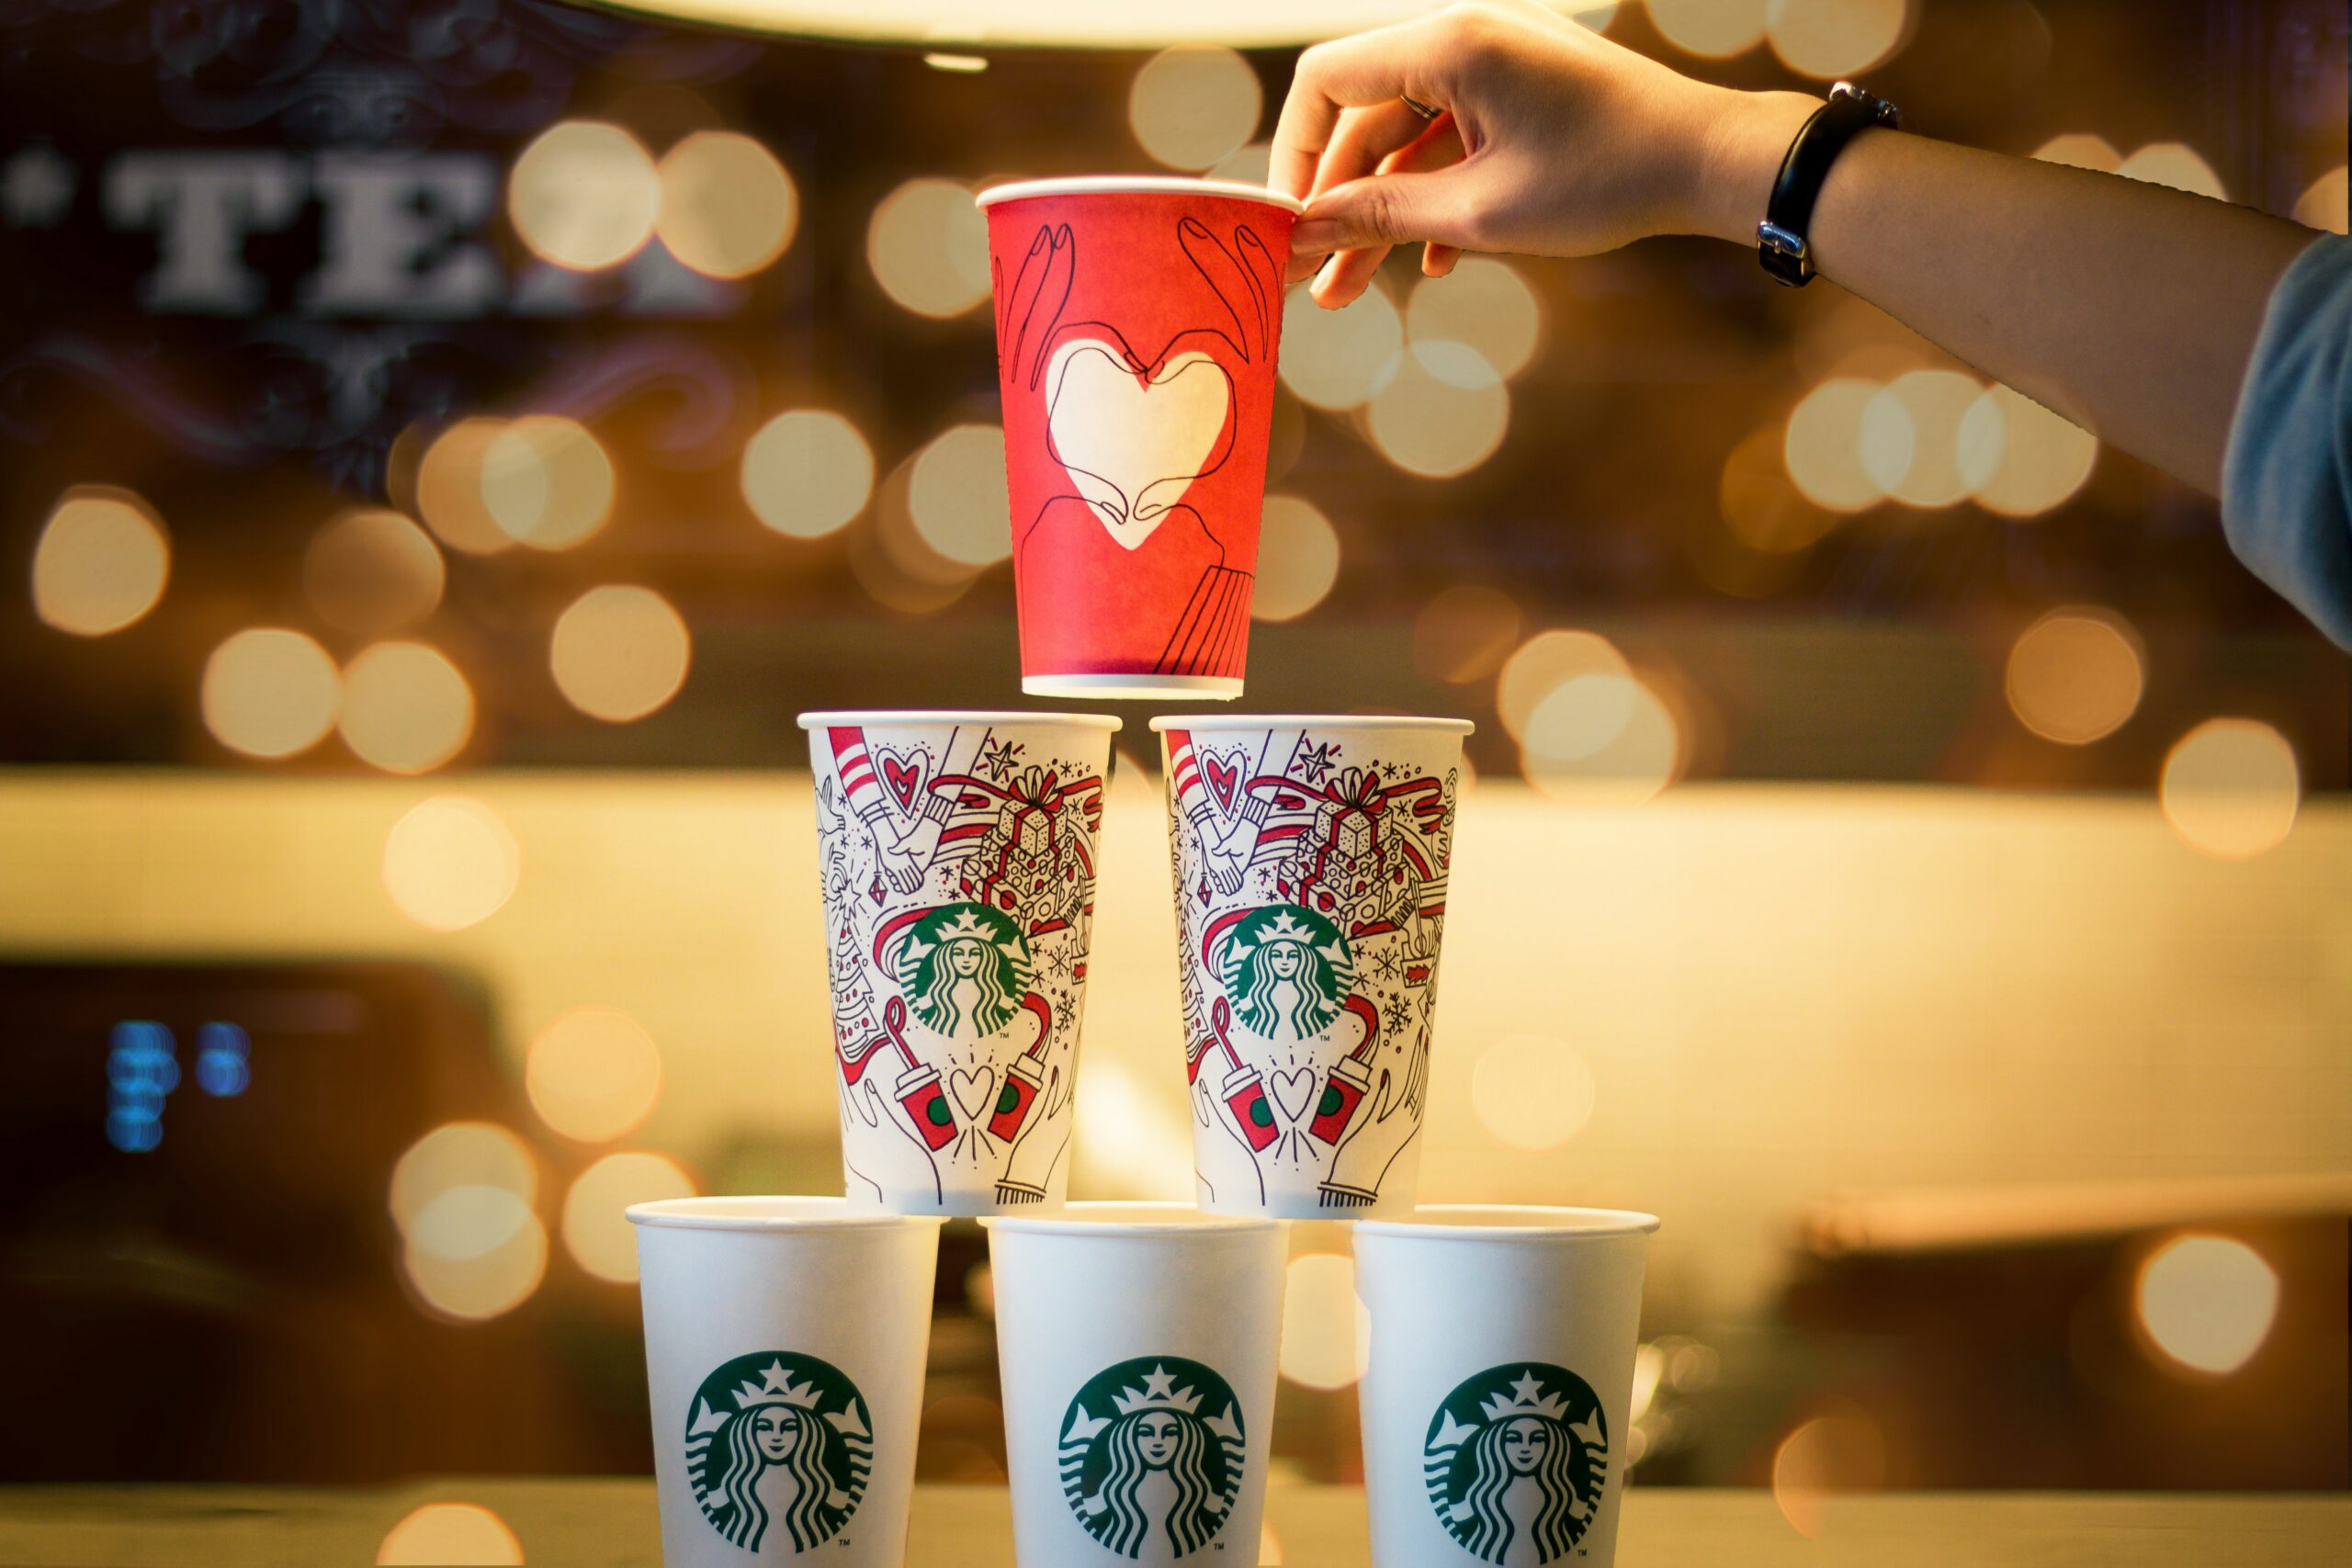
{"points": [[784, 1343], [1137, 1343], [1500, 1383], [957, 852]]}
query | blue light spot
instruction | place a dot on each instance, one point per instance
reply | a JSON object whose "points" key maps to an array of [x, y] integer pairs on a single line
{"points": [[220, 1073], [136, 1135]]}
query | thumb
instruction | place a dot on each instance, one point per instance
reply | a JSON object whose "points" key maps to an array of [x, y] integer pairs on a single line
{"points": [[1387, 209]]}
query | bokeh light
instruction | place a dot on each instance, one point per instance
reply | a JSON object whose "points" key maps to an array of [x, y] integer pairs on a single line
{"points": [[1483, 303], [1298, 560], [728, 208], [929, 248], [371, 572], [1443, 412], [2231, 788], [1822, 445], [1761, 505], [583, 194], [1532, 1091], [1465, 633], [406, 709], [957, 499], [1828, 39], [1715, 28], [444, 1533], [808, 473], [619, 652], [547, 482], [450, 487], [1194, 105], [594, 1074], [891, 559], [1910, 436], [1603, 741], [269, 692], [1327, 1334], [1545, 662], [2207, 1302], [451, 862], [2176, 165], [1250, 166], [486, 1283], [1823, 1457], [460, 1154], [2018, 457], [1337, 359], [2075, 674], [596, 1231], [2081, 150], [101, 562], [2324, 205]]}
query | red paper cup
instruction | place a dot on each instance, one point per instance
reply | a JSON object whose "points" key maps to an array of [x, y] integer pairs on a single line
{"points": [[1136, 322]]}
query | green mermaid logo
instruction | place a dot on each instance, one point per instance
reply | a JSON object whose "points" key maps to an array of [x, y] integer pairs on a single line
{"points": [[1516, 1460], [1286, 970], [1152, 1448], [776, 1438], [964, 969]]}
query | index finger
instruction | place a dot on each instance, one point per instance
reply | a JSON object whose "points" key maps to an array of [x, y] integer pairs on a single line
{"points": [[1350, 73]]}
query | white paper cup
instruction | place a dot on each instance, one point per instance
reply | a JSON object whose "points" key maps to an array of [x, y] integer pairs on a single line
{"points": [[1500, 1383], [785, 1341], [1311, 857], [1137, 1343], [957, 852]]}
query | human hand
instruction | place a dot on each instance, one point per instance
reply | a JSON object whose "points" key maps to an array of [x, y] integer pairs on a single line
{"points": [[1549, 139]]}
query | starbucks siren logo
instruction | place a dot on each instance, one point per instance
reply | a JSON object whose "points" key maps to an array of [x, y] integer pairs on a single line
{"points": [[1286, 971], [1152, 1450], [1516, 1460], [775, 1436], [964, 968]]}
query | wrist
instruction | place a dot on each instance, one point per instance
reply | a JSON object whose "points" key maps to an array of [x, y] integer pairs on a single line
{"points": [[1742, 141]]}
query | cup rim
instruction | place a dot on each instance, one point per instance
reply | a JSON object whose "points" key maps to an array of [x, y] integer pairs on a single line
{"points": [[1121, 184], [767, 1213], [1159, 1217], [1162, 723], [825, 718], [1512, 1221]]}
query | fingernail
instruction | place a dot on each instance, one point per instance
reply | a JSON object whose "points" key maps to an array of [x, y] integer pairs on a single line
{"points": [[1314, 234]]}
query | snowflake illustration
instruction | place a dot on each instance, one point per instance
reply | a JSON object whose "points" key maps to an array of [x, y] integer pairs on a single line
{"points": [[1386, 967], [999, 761], [1316, 760], [1396, 1016]]}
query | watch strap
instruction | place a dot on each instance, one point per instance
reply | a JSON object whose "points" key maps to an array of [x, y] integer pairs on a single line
{"points": [[1782, 241]]}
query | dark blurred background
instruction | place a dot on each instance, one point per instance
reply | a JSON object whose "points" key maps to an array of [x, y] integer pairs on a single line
{"points": [[442, 445]]}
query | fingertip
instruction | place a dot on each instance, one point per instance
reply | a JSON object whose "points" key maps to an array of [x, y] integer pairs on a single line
{"points": [[1438, 260]]}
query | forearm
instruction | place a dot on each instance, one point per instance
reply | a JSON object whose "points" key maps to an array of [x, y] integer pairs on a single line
{"points": [[2128, 307]]}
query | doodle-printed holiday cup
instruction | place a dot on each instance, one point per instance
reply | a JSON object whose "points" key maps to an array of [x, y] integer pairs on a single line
{"points": [[1137, 1343], [784, 1343], [1310, 859], [957, 855], [1500, 1383], [1137, 324]]}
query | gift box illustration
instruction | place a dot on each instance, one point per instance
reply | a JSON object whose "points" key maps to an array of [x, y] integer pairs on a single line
{"points": [[1137, 321], [957, 858], [1310, 861]]}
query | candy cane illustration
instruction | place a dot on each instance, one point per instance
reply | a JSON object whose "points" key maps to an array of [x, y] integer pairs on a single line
{"points": [[1228, 841], [905, 851]]}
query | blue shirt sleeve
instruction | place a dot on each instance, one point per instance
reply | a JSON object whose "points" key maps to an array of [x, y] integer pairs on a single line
{"points": [[2287, 480]]}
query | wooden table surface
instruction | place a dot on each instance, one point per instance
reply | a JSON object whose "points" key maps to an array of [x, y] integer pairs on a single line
{"points": [[609, 1524]]}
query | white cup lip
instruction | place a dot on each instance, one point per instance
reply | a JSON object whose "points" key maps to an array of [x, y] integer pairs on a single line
{"points": [[1130, 1217], [1147, 185], [777, 1212], [884, 717], [1162, 723], [1511, 1222]]}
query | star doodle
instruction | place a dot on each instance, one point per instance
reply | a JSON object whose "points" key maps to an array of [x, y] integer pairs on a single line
{"points": [[999, 761], [1316, 760]]}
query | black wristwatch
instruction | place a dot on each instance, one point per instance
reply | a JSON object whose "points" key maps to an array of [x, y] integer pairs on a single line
{"points": [[1780, 241]]}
